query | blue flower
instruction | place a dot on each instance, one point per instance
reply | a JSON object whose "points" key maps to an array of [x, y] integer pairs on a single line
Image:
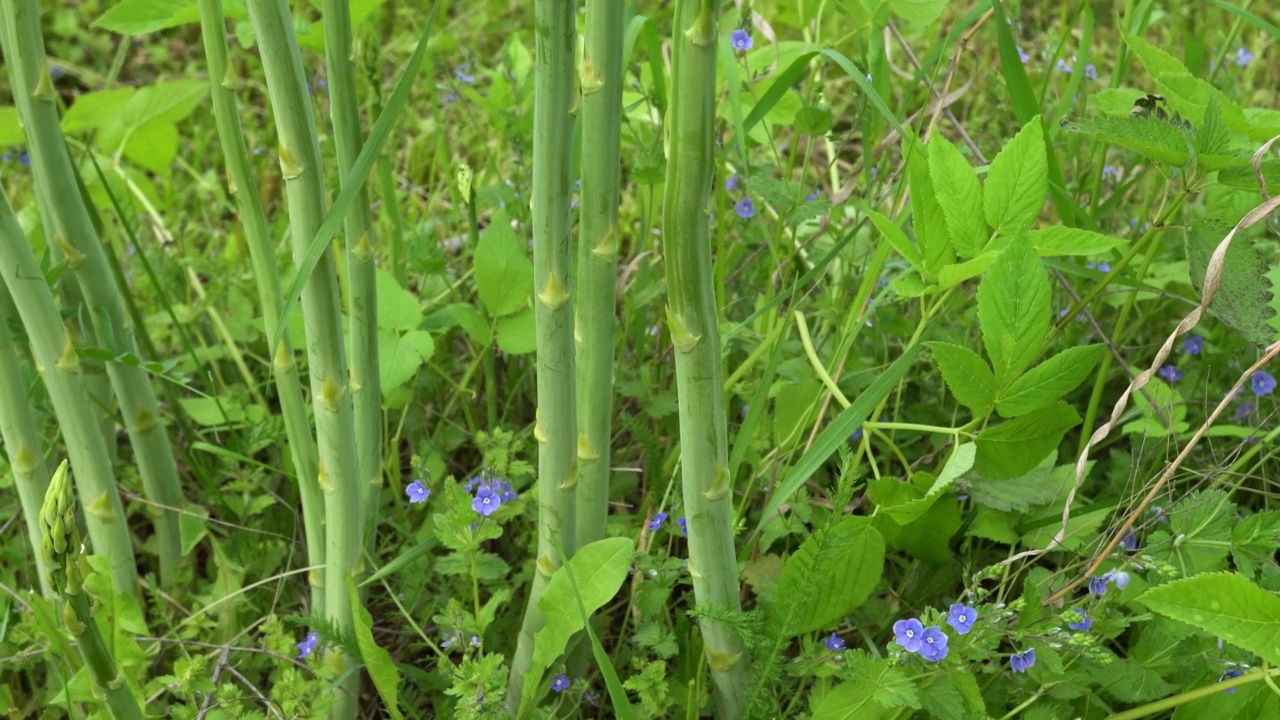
{"points": [[323, 84], [745, 208], [1098, 585], [1062, 66], [856, 436], [740, 40], [657, 521], [417, 492], [1023, 56], [1170, 373], [1020, 662], [1130, 541], [460, 74], [1243, 57], [961, 618], [1193, 345], [1262, 383], [8, 155], [1229, 674], [1244, 411], [486, 501], [1083, 624], [1104, 267], [813, 195], [560, 683], [308, 645], [731, 183], [834, 643], [1090, 71], [934, 647], [449, 639], [1110, 172], [24, 158], [1119, 577], [909, 634], [684, 526]]}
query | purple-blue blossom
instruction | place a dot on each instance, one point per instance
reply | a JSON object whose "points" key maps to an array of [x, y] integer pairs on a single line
{"points": [[731, 183], [740, 40], [1228, 675], [1170, 373], [1023, 56], [486, 501], [1129, 541], [909, 633], [934, 647], [417, 492], [684, 526], [1193, 345], [308, 645], [1244, 411], [961, 618], [1243, 56], [1083, 624], [1090, 71], [560, 683], [745, 208], [834, 643], [657, 520], [1022, 661], [461, 74], [1119, 577], [1098, 586], [1262, 383]]}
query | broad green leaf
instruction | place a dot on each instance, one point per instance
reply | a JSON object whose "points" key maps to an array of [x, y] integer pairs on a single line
{"points": [[1048, 381], [967, 375], [1038, 486], [1062, 240], [504, 275], [400, 355], [153, 146], [120, 609], [1185, 93], [928, 538], [382, 668], [192, 527], [953, 275], [10, 127], [1162, 411], [473, 322], [139, 17], [927, 220], [598, 571], [1153, 138], [832, 573], [1223, 605], [921, 12], [96, 109], [517, 333], [169, 102], [1015, 447], [1014, 310], [874, 688], [960, 195], [398, 309], [1017, 182], [897, 238], [1244, 300], [958, 464], [1082, 529]]}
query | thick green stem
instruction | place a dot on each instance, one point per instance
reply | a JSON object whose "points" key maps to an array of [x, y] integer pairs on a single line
{"points": [[598, 259], [366, 385], [321, 313], [555, 427], [22, 439], [257, 234], [58, 364], [694, 323], [57, 186]]}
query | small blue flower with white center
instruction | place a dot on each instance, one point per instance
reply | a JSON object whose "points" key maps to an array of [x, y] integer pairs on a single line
{"points": [[308, 645], [961, 618], [657, 520], [560, 683], [934, 647], [417, 492], [1090, 71], [1098, 586], [909, 633], [1083, 624], [1129, 542], [1243, 56], [1262, 383], [834, 643], [1170, 373], [1022, 661], [486, 502], [684, 526], [741, 40], [745, 208], [1193, 345]]}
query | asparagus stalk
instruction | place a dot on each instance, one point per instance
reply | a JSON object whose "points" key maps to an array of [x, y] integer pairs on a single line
{"points": [[57, 362], [56, 186], [322, 316], [366, 385], [21, 439], [63, 553], [693, 319], [555, 427], [598, 259], [302, 444]]}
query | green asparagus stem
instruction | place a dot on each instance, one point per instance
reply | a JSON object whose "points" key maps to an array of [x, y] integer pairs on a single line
{"points": [[322, 316], [302, 444], [57, 362], [56, 186], [366, 385], [21, 439], [693, 319], [555, 427], [63, 553], [598, 259]]}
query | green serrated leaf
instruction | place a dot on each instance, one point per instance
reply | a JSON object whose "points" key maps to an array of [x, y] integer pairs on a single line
{"points": [[1061, 240], [1037, 486], [959, 193], [1154, 139], [1244, 300], [1013, 448], [504, 274], [139, 17], [831, 574], [1014, 310], [873, 689], [1048, 381], [1223, 605], [958, 463], [967, 375], [382, 668], [1017, 182], [927, 220]]}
